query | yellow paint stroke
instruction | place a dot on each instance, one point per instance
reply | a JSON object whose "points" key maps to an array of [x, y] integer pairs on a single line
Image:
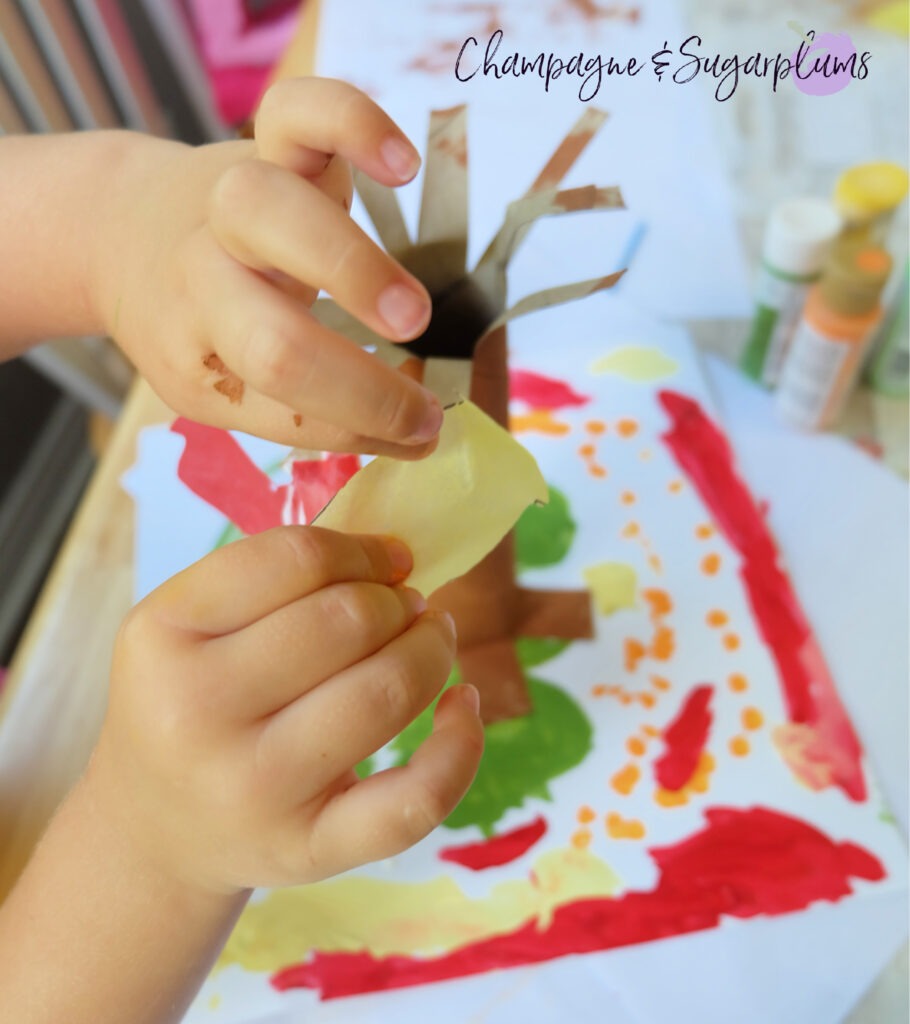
{"points": [[642, 364], [355, 913], [451, 508], [540, 421], [612, 585]]}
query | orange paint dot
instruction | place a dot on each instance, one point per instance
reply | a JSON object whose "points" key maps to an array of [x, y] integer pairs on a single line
{"points": [[627, 498], [710, 564], [645, 454], [585, 814], [619, 827], [675, 486], [650, 730], [660, 683], [731, 641], [663, 644], [716, 618], [634, 652], [659, 600], [752, 718], [655, 563], [739, 746], [626, 779], [597, 471], [668, 798], [540, 421], [630, 530], [586, 450], [648, 700], [599, 690], [635, 746], [581, 839], [704, 530], [596, 427], [737, 682], [627, 428]]}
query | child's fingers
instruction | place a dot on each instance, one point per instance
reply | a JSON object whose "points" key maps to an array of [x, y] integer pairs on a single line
{"points": [[334, 726], [269, 219], [275, 421], [276, 346], [390, 811], [310, 640], [245, 581], [302, 121]]}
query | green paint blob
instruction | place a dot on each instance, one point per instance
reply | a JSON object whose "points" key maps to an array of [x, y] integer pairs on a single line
{"points": [[642, 364], [535, 650], [544, 533]]}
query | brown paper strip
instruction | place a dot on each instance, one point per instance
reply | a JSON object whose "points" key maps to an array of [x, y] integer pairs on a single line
{"points": [[331, 315], [547, 297], [570, 149], [382, 205], [448, 379], [444, 205], [490, 272]]}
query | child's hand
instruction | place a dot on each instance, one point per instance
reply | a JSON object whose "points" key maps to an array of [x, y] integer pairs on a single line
{"points": [[213, 255], [246, 689]]}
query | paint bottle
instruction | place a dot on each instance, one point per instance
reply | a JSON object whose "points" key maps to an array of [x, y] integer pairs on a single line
{"points": [[867, 196], [840, 316], [888, 370], [797, 240]]}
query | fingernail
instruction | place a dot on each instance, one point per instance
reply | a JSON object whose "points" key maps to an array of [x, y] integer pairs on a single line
{"points": [[413, 601], [401, 558], [431, 423], [400, 157], [469, 697], [448, 621], [403, 309]]}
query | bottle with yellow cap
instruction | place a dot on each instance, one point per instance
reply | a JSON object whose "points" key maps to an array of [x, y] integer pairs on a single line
{"points": [[867, 196], [840, 316]]}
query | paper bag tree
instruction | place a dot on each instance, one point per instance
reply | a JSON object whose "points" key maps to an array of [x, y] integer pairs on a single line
{"points": [[463, 353]]}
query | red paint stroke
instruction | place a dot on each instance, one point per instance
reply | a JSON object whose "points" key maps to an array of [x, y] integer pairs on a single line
{"points": [[744, 863], [829, 751], [314, 482], [684, 740], [542, 392], [217, 469], [214, 466], [496, 850]]}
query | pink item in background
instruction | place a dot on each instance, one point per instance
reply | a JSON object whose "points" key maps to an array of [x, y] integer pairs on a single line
{"points": [[238, 53]]}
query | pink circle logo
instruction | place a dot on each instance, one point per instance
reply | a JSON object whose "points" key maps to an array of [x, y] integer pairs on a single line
{"points": [[824, 65]]}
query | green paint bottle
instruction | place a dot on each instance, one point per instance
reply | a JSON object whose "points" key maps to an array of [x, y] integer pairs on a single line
{"points": [[796, 243]]}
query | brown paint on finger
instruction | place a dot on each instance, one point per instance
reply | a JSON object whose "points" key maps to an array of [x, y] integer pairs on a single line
{"points": [[230, 385], [298, 420]]}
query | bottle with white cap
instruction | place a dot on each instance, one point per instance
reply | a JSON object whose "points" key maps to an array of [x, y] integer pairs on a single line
{"points": [[797, 241]]}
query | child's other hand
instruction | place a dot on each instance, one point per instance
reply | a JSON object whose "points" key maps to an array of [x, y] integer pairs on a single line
{"points": [[246, 689], [215, 255]]}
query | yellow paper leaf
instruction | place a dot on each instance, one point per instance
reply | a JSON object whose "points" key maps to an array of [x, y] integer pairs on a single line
{"points": [[451, 508]]}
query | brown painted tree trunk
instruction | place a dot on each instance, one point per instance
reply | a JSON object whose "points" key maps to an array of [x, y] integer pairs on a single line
{"points": [[490, 610]]}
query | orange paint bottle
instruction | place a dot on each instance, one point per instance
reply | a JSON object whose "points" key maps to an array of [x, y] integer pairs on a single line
{"points": [[840, 316]]}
